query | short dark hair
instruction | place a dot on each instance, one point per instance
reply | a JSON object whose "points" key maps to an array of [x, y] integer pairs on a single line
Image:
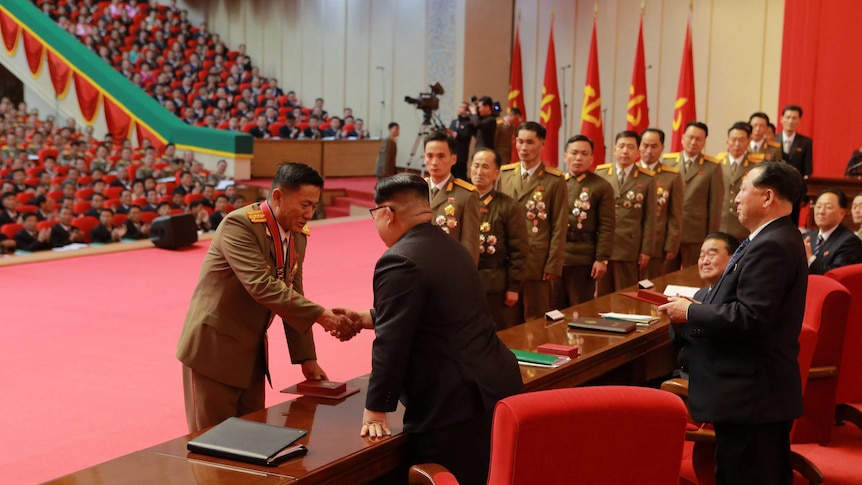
{"points": [[536, 128], [628, 134], [515, 111], [781, 177], [759, 114], [441, 136], [698, 124], [106, 209], [657, 131], [842, 197], [740, 125], [731, 242], [497, 159], [195, 203], [579, 138], [792, 107], [400, 183], [29, 215], [392, 125], [771, 126], [292, 175], [486, 100]]}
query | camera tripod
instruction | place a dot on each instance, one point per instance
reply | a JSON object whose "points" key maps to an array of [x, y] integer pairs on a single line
{"points": [[430, 122]]}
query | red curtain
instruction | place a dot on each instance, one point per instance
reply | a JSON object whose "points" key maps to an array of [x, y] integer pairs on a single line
{"points": [[118, 121], [60, 74], [34, 51], [143, 133], [88, 97], [820, 72], [10, 32]]}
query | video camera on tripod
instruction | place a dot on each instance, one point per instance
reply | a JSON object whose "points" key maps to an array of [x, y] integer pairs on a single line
{"points": [[428, 103]]}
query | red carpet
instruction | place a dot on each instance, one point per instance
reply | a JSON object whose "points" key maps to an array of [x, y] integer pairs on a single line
{"points": [[88, 361]]}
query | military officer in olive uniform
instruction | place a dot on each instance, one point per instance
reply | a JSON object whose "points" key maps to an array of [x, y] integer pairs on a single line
{"points": [[771, 150], [735, 163], [454, 202], [634, 203], [541, 190], [590, 233], [503, 244], [703, 189], [669, 193]]}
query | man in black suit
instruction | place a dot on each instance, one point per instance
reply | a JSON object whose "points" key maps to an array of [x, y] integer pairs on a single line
{"points": [[832, 245], [64, 233], [796, 149], [435, 347], [743, 359], [31, 238]]}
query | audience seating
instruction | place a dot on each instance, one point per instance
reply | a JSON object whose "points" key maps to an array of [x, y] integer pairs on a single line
{"points": [[85, 224], [849, 393], [9, 230], [602, 434]]}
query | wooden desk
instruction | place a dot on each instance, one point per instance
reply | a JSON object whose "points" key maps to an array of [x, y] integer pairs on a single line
{"points": [[332, 158], [336, 452]]}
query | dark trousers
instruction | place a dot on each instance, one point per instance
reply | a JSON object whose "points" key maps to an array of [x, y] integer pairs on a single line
{"points": [[463, 448], [574, 287], [504, 316], [753, 454]]}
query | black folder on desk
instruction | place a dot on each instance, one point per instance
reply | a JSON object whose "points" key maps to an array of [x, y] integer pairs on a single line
{"points": [[616, 326], [249, 441]]}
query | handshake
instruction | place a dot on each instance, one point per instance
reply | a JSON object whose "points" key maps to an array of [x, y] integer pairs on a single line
{"points": [[343, 323]]}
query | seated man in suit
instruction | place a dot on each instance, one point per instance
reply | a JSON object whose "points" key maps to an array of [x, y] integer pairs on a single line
{"points": [[715, 253], [856, 212], [832, 245], [106, 232], [31, 238], [135, 227], [435, 349], [64, 233]]}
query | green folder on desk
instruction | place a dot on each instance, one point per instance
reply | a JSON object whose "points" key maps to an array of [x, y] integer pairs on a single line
{"points": [[536, 358]]}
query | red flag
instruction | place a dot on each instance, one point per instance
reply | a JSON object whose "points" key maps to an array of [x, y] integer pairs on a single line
{"points": [[516, 80], [637, 116], [684, 107], [550, 111], [591, 112]]}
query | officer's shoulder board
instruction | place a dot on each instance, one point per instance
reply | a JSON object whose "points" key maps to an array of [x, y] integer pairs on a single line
{"points": [[556, 172], [671, 156], [773, 144], [668, 168], [256, 216], [721, 156], [567, 176], [306, 230], [756, 157], [465, 185], [510, 166], [603, 166], [711, 159], [646, 171]]}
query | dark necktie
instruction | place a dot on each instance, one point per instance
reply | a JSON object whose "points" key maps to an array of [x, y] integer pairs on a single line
{"points": [[733, 259], [818, 244], [434, 191]]}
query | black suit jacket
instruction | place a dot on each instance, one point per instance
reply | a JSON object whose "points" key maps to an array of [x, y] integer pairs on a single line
{"points": [[435, 348], [841, 249], [101, 234], [25, 241], [801, 153], [743, 357], [60, 236]]}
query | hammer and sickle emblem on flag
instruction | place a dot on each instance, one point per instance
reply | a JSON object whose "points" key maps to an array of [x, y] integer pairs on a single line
{"points": [[635, 118], [677, 118], [590, 92], [513, 94], [546, 101]]}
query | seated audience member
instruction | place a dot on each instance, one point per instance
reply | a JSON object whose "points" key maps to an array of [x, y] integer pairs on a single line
{"points": [[334, 130], [856, 213], [45, 207], [106, 232], [164, 209], [125, 204], [260, 130], [220, 173], [832, 245], [152, 201], [312, 132], [178, 200], [202, 218], [854, 165], [97, 201], [6, 245], [135, 227], [715, 253], [63, 233], [288, 130], [9, 215], [219, 212], [187, 184], [30, 238], [207, 193], [358, 130]]}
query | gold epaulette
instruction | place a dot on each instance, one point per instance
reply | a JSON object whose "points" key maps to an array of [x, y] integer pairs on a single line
{"points": [[465, 185], [554, 171], [674, 155], [603, 166], [711, 159], [773, 144], [510, 166], [306, 230], [721, 156], [668, 168], [756, 157], [646, 171], [256, 216], [568, 176]]}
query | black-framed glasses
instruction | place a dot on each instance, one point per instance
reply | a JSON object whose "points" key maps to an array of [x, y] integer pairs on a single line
{"points": [[371, 211]]}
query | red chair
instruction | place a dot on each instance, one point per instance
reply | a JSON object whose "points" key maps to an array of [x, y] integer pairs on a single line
{"points": [[113, 192], [85, 224], [165, 198], [32, 181], [849, 394], [25, 197], [120, 218], [827, 303], [84, 194], [46, 224], [34, 171], [192, 197], [85, 180], [177, 211], [141, 201], [275, 127], [26, 208], [9, 230], [248, 126], [57, 195], [602, 434], [81, 207], [147, 217], [109, 178], [45, 152]]}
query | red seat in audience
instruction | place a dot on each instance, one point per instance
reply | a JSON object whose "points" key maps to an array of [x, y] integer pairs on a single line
{"points": [[33, 171], [165, 198], [84, 194], [248, 126], [120, 218], [113, 192], [57, 195], [81, 207], [192, 197], [141, 201], [147, 217], [849, 394], [85, 180], [601, 434], [176, 211], [275, 127], [9, 230], [25, 197], [46, 224], [85, 224], [26, 208], [109, 178], [32, 181], [47, 151]]}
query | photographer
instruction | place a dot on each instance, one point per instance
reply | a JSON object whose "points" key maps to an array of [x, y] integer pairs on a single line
{"points": [[484, 122], [461, 130]]}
